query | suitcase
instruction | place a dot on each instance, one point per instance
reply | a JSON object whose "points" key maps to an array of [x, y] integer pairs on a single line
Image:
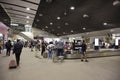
{"points": [[61, 58], [45, 54], [12, 64], [54, 57]]}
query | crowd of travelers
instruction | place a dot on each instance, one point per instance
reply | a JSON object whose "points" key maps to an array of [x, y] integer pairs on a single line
{"points": [[44, 49]]}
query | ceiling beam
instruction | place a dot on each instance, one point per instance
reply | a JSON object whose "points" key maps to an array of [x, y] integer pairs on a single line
{"points": [[15, 5], [22, 18], [19, 11], [20, 15], [30, 2]]}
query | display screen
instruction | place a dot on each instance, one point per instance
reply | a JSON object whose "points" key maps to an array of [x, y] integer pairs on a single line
{"points": [[116, 42], [96, 42]]}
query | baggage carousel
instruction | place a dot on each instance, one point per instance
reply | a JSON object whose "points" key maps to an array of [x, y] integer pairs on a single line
{"points": [[94, 54]]}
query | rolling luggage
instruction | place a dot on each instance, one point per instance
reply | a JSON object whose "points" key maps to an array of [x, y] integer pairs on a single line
{"points": [[61, 58], [45, 54], [12, 64]]}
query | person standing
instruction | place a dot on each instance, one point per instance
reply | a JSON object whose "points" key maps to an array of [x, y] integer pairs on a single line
{"points": [[8, 46], [50, 48], [60, 48], [32, 44], [17, 50], [43, 48], [37, 47], [83, 51]]}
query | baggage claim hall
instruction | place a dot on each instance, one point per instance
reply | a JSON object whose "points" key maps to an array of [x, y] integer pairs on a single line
{"points": [[59, 39]]}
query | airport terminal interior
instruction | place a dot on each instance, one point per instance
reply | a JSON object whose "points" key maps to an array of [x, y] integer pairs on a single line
{"points": [[59, 39]]}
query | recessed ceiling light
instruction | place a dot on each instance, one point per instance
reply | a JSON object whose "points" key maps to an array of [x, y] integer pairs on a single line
{"points": [[84, 28], [116, 2], [104, 23], [72, 7], [46, 26], [85, 15], [66, 24], [58, 18], [27, 8], [40, 14], [51, 23], [71, 31], [28, 17], [65, 13]]}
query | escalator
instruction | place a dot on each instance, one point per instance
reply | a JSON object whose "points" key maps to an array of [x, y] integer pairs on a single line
{"points": [[27, 35]]}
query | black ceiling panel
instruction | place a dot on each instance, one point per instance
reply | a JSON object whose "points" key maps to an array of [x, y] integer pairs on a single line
{"points": [[4, 17], [88, 15]]}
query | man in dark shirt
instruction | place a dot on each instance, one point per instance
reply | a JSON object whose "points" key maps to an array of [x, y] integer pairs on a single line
{"points": [[8, 46], [83, 51], [17, 50]]}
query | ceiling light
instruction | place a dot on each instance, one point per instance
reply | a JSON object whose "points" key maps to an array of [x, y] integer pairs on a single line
{"points": [[51, 23], [66, 24], [116, 2], [40, 14], [58, 18], [28, 17], [71, 31], [46, 26], [104, 23], [72, 7], [28, 9], [84, 28], [65, 13], [85, 15]]}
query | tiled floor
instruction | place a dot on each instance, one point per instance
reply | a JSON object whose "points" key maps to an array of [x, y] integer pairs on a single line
{"points": [[32, 68]]}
